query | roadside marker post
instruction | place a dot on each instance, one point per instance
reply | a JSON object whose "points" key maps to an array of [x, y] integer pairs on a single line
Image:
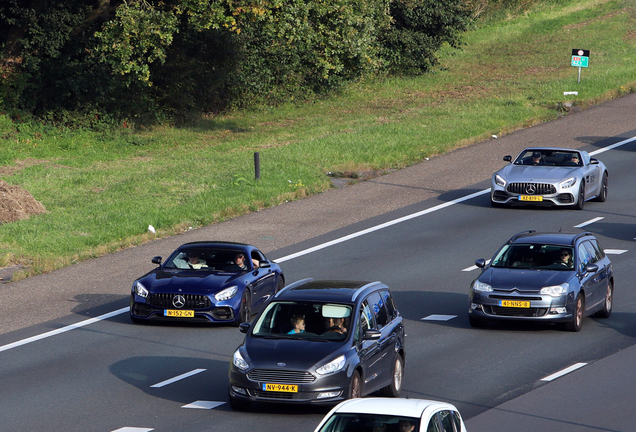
{"points": [[580, 59]]}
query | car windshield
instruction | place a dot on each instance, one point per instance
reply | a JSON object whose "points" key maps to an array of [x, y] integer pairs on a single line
{"points": [[304, 320], [534, 256], [345, 422], [206, 259], [549, 158]]}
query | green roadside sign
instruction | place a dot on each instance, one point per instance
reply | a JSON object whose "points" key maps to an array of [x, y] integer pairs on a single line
{"points": [[580, 58]]}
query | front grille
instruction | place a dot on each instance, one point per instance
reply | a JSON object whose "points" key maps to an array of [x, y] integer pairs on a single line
{"points": [[520, 298], [192, 301], [539, 188], [515, 312], [281, 376], [271, 395]]}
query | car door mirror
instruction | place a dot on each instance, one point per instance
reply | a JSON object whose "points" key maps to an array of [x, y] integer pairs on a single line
{"points": [[593, 161], [156, 260], [264, 264], [481, 263], [507, 158], [591, 268], [372, 334], [244, 327]]}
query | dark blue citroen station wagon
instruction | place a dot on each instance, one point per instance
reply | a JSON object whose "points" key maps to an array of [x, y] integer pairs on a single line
{"points": [[320, 342], [547, 277]]}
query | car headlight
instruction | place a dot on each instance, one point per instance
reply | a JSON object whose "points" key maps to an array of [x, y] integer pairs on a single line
{"points": [[481, 287], [499, 181], [332, 366], [140, 290], [556, 290], [567, 183], [239, 362], [226, 294]]}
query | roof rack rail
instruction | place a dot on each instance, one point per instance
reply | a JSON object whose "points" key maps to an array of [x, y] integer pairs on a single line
{"points": [[519, 234], [578, 236], [293, 284], [362, 288]]}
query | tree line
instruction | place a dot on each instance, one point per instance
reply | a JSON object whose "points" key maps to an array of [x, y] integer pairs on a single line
{"points": [[148, 60]]}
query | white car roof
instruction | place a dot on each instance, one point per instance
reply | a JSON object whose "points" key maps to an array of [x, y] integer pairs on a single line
{"points": [[392, 406]]}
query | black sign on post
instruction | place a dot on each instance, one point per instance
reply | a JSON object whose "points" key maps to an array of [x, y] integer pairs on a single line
{"points": [[580, 52]]}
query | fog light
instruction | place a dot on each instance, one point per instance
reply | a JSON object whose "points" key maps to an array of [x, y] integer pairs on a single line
{"points": [[475, 306], [558, 310], [325, 395], [239, 390]]}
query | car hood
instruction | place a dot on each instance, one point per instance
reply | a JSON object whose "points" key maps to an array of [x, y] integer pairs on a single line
{"points": [[297, 354], [543, 174], [524, 280], [187, 281]]}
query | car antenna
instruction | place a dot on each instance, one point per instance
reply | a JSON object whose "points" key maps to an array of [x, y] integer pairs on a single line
{"points": [[561, 229]]}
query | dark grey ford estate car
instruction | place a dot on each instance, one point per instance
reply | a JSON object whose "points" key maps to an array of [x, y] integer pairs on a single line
{"points": [[548, 277], [320, 342]]}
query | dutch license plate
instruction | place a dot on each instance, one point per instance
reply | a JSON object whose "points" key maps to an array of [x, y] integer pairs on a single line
{"points": [[514, 303], [178, 313], [530, 198], [287, 388]]}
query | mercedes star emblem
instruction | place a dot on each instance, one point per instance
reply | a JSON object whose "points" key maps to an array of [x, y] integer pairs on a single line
{"points": [[531, 189], [178, 301]]}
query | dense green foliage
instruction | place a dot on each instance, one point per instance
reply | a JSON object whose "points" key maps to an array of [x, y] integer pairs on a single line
{"points": [[71, 61]]}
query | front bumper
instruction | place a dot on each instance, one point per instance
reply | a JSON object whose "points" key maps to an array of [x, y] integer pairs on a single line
{"points": [[204, 311], [489, 307], [312, 388]]}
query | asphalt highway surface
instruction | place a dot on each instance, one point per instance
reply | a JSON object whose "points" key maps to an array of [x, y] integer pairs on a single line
{"points": [[71, 360]]}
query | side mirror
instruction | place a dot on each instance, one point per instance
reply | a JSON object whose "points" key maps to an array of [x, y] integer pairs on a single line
{"points": [[481, 263], [264, 264], [507, 158], [156, 260], [372, 335], [591, 268], [593, 161], [244, 327]]}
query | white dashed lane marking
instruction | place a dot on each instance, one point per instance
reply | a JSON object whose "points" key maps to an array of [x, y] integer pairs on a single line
{"points": [[203, 405], [591, 221], [177, 378], [439, 318], [133, 429], [564, 372], [615, 251]]}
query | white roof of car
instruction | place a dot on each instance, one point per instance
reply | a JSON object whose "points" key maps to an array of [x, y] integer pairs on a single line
{"points": [[392, 406]]}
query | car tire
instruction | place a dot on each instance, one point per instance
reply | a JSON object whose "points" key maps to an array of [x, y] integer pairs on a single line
{"points": [[477, 323], [602, 196], [355, 388], [607, 304], [245, 311], [238, 405], [279, 285], [397, 375], [577, 320], [580, 203]]}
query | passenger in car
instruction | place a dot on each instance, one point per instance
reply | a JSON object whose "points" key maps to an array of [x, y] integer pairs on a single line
{"points": [[298, 324]]}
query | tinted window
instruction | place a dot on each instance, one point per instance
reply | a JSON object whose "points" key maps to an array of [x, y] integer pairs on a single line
{"points": [[346, 422], [592, 252], [446, 421], [584, 257], [377, 306], [390, 304], [597, 246]]}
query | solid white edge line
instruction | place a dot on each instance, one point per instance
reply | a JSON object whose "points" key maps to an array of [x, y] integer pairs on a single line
{"points": [[298, 254], [63, 329], [591, 221], [381, 226], [564, 372], [615, 251], [177, 378]]}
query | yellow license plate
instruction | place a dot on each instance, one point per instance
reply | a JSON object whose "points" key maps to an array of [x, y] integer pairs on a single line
{"points": [[179, 313], [287, 388], [530, 198], [514, 303]]}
